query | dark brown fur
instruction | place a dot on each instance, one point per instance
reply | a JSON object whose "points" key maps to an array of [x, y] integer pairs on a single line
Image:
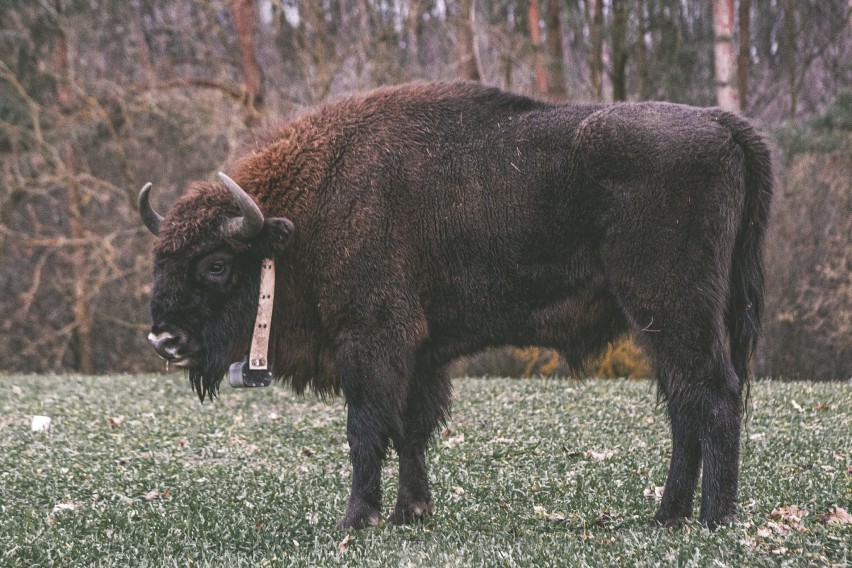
{"points": [[432, 221]]}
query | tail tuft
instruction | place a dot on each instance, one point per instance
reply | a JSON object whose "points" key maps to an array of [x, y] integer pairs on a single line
{"points": [[745, 298]]}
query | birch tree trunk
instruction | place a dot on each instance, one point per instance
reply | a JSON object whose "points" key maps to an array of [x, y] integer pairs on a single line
{"points": [[723, 54]]}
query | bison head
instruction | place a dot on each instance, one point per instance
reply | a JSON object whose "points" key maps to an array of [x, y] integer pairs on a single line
{"points": [[206, 277]]}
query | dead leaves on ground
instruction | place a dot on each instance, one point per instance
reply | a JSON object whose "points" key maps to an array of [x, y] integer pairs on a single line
{"points": [[835, 516], [343, 545], [116, 421]]}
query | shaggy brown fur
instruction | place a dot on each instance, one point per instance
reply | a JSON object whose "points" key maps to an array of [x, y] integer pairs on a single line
{"points": [[432, 221]]}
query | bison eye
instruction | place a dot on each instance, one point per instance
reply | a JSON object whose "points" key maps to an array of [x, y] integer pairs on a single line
{"points": [[217, 268]]}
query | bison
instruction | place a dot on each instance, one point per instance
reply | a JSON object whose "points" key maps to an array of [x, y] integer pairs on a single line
{"points": [[415, 224]]}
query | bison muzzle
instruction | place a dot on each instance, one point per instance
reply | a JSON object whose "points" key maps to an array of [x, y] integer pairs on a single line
{"points": [[416, 224]]}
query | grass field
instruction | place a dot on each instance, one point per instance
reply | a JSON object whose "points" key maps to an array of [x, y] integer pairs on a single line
{"points": [[135, 472]]}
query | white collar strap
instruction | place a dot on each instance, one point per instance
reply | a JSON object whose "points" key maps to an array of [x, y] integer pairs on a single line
{"points": [[258, 355]]}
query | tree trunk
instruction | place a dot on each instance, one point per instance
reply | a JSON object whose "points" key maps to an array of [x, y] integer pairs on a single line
{"points": [[555, 55], [465, 47], [790, 33], [642, 52], [82, 310], [534, 21], [243, 13], [412, 31], [744, 57], [596, 52], [724, 60], [619, 49]]}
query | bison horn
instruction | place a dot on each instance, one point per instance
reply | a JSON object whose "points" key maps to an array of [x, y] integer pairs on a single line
{"points": [[251, 221], [151, 218]]}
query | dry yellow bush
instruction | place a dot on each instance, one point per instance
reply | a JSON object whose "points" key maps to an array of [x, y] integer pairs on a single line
{"points": [[623, 359]]}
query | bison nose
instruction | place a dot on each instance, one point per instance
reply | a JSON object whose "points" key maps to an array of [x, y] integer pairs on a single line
{"points": [[167, 344]]}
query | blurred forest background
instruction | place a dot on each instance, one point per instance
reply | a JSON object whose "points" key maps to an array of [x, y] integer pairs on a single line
{"points": [[98, 97]]}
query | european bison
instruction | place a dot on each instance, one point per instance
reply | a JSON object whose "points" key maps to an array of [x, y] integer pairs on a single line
{"points": [[415, 224]]}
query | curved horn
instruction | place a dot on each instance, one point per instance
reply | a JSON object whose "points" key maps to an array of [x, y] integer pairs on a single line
{"points": [[151, 218], [251, 221]]}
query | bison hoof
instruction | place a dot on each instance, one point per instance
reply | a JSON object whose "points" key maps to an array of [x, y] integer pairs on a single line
{"points": [[670, 522], [359, 519], [412, 512], [726, 520]]}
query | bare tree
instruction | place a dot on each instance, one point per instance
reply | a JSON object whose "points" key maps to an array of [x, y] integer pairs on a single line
{"points": [[243, 14], [595, 18], [618, 50], [555, 55], [466, 41], [642, 51], [723, 52], [744, 56], [534, 22]]}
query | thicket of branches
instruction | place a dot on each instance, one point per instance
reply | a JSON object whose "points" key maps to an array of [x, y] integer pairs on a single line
{"points": [[98, 98]]}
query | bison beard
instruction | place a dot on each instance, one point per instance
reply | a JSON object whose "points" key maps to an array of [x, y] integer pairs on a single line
{"points": [[431, 221], [223, 342]]}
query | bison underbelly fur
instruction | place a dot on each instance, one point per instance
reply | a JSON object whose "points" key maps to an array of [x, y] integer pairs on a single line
{"points": [[415, 224]]}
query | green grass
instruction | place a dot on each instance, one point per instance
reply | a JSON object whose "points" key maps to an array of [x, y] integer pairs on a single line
{"points": [[261, 477]]}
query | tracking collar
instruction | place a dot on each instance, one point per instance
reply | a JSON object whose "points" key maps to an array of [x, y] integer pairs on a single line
{"points": [[254, 371]]}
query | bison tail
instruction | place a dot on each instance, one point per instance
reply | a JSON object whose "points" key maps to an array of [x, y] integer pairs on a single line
{"points": [[745, 297]]}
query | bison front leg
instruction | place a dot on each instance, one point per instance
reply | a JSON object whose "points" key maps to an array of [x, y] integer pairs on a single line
{"points": [[427, 407], [372, 389]]}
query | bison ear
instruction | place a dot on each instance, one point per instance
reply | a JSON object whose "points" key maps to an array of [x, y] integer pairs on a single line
{"points": [[277, 232]]}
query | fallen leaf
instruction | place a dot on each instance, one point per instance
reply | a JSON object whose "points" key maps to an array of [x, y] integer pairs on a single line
{"points": [[656, 492], [780, 529], [116, 421], [41, 424], [789, 514], [454, 441], [764, 532], [458, 490], [600, 456], [822, 406], [835, 516], [341, 546], [151, 495], [64, 507], [602, 518]]}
